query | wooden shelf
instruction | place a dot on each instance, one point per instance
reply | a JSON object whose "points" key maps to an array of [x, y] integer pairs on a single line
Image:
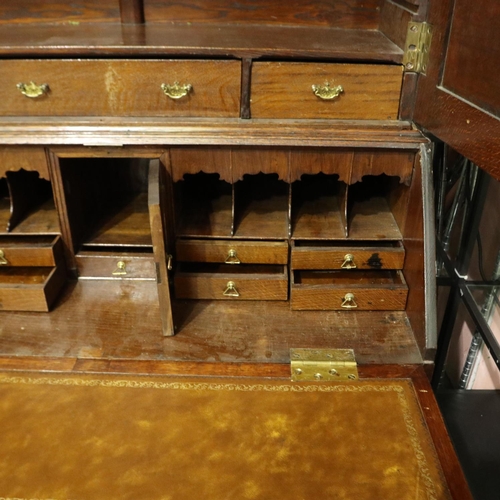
{"points": [[128, 226], [372, 219], [108, 318], [44, 220], [203, 39]]}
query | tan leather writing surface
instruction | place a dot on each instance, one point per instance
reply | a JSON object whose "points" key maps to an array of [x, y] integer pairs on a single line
{"points": [[119, 437]]}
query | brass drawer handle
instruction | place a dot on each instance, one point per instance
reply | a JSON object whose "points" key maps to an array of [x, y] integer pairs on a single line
{"points": [[230, 290], [3, 260], [349, 302], [232, 258], [326, 92], [33, 90], [348, 262], [176, 91], [169, 262], [121, 268]]}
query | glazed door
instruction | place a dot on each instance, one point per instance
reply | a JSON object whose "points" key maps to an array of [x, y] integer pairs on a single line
{"points": [[458, 100]]}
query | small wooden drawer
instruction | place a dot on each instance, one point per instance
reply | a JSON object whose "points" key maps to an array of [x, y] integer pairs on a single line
{"points": [[127, 265], [351, 256], [30, 251], [121, 88], [285, 90], [30, 288], [226, 282], [232, 251], [348, 290]]}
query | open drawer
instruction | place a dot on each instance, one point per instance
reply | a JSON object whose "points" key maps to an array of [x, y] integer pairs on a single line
{"points": [[347, 255], [227, 282], [348, 290], [30, 251], [30, 288]]}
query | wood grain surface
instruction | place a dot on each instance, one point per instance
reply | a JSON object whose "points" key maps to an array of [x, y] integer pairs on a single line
{"points": [[32, 251], [323, 256], [31, 158], [247, 252], [346, 14], [321, 290], [284, 90], [104, 264], [121, 88]]}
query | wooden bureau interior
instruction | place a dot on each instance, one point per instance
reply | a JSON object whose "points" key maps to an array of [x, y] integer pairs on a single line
{"points": [[210, 185]]}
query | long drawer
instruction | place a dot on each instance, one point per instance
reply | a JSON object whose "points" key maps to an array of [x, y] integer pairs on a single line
{"points": [[325, 90], [232, 251], [226, 282], [120, 88], [30, 251], [323, 255], [348, 290]]}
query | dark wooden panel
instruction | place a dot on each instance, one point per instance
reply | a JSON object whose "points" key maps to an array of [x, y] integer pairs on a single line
{"points": [[160, 39], [131, 11], [473, 54], [59, 11], [466, 128], [13, 158], [346, 14]]}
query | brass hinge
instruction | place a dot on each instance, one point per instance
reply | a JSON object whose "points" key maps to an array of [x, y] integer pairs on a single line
{"points": [[417, 47], [323, 365]]}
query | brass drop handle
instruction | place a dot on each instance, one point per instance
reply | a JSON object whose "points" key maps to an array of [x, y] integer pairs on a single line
{"points": [[348, 262], [169, 262], [177, 90], [3, 260], [326, 92], [33, 90], [121, 268], [349, 302], [230, 290], [232, 257]]}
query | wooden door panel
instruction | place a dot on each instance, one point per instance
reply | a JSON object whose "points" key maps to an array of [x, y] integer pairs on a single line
{"points": [[458, 108]]}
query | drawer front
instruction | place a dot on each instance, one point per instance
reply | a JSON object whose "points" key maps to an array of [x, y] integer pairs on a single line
{"points": [[116, 266], [228, 286], [232, 252], [37, 251], [318, 257], [285, 90], [320, 293], [121, 88], [30, 288]]}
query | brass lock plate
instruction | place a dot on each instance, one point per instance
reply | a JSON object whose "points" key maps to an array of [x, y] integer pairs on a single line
{"points": [[323, 365]]}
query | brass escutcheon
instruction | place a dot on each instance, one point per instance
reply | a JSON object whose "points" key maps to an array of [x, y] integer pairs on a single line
{"points": [[348, 262], [3, 260], [121, 268], [33, 90], [232, 257], [326, 92], [230, 290], [176, 91], [349, 302]]}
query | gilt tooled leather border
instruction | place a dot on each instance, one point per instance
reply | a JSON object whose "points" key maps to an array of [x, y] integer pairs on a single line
{"points": [[210, 386]]}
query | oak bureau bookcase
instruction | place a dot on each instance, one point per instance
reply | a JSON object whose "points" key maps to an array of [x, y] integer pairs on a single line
{"points": [[218, 182]]}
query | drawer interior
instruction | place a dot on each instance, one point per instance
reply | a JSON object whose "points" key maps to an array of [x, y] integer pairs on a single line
{"points": [[340, 278], [24, 276]]}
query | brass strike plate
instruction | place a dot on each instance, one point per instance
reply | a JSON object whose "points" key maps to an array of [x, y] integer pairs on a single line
{"points": [[323, 365], [417, 47]]}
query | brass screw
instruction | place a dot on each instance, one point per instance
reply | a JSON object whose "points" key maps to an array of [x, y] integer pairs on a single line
{"points": [[318, 376]]}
